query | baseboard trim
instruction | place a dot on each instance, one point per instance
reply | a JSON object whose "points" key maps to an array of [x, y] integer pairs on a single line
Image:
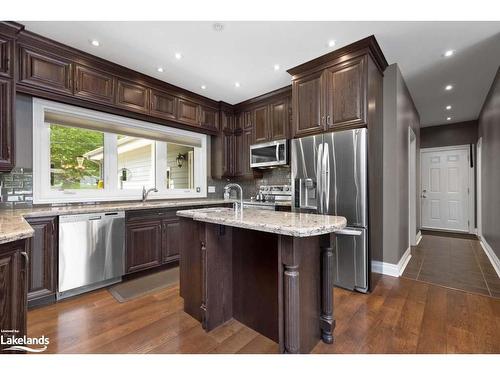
{"points": [[392, 269], [491, 255], [418, 238]]}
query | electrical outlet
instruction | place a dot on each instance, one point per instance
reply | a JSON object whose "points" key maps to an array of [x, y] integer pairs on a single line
{"points": [[211, 189]]}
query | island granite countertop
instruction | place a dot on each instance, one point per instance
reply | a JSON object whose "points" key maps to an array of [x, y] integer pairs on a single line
{"points": [[13, 225], [287, 223]]}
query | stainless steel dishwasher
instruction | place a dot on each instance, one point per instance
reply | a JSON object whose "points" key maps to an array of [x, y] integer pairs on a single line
{"points": [[91, 252]]}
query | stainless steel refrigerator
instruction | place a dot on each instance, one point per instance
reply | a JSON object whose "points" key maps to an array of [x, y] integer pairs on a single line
{"points": [[329, 176]]}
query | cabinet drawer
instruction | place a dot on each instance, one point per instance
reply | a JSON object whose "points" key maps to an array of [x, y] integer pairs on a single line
{"points": [[45, 71], [132, 96], [141, 215], [93, 84]]}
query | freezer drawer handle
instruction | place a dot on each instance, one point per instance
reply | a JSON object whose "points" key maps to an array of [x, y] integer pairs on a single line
{"points": [[350, 232], [95, 218]]}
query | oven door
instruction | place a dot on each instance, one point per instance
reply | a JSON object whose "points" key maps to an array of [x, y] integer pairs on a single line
{"points": [[269, 154]]}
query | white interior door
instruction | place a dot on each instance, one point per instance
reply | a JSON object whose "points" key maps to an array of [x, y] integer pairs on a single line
{"points": [[445, 188]]}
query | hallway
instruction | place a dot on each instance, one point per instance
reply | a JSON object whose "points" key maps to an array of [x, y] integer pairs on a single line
{"points": [[454, 261]]}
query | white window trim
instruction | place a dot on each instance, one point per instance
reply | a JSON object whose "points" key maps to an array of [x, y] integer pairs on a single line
{"points": [[43, 194]]}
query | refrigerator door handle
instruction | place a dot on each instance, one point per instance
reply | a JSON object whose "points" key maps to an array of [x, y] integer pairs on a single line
{"points": [[319, 177], [326, 178], [350, 232]]}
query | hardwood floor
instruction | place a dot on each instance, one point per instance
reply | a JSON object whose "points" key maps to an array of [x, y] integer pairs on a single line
{"points": [[399, 316]]}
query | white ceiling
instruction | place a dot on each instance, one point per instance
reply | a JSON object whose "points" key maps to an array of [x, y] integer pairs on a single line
{"points": [[247, 51]]}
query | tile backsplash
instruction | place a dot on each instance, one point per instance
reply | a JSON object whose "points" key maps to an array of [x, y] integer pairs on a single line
{"points": [[274, 176], [17, 188]]}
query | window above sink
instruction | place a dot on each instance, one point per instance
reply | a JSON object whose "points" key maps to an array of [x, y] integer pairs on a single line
{"points": [[82, 155]]}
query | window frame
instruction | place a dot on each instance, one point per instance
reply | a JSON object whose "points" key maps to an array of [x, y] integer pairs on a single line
{"points": [[44, 194]]}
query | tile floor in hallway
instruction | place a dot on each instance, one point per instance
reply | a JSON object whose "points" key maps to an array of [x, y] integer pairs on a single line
{"points": [[453, 261]]}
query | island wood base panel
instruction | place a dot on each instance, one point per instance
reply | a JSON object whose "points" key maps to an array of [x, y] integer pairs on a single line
{"points": [[278, 285]]}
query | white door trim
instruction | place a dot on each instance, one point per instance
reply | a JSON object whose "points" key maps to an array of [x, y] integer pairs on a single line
{"points": [[479, 222], [412, 188], [470, 201]]}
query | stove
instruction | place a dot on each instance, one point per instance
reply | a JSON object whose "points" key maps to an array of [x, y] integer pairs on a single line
{"points": [[271, 197]]}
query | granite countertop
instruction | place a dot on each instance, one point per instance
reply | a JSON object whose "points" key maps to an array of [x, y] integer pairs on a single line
{"points": [[287, 223], [14, 227]]}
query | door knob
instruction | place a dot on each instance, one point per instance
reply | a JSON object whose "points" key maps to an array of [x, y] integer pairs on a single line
{"points": [[423, 193]]}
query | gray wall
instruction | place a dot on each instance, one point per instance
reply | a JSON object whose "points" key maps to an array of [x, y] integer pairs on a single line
{"points": [[456, 134], [399, 114], [489, 130]]}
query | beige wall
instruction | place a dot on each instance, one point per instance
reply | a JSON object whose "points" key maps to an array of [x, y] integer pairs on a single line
{"points": [[399, 114], [489, 131]]}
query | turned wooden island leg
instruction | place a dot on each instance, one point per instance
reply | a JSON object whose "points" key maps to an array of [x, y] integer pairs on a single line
{"points": [[292, 303], [327, 323]]}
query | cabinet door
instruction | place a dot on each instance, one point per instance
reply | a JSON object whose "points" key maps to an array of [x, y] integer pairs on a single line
{"points": [[93, 84], [247, 120], [247, 138], [279, 119], [188, 112], [239, 162], [171, 238], [143, 245], [6, 125], [6, 56], [132, 96], [261, 124], [345, 94], [163, 105], [45, 71], [307, 105], [42, 270], [209, 118], [13, 265], [228, 153]]}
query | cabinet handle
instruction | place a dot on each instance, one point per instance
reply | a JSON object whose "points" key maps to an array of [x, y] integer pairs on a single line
{"points": [[26, 257], [328, 120]]}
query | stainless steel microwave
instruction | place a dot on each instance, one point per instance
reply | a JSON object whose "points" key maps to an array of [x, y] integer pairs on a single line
{"points": [[270, 154]]}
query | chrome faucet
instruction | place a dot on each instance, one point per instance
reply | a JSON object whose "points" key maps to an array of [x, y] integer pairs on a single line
{"points": [[145, 192], [232, 185]]}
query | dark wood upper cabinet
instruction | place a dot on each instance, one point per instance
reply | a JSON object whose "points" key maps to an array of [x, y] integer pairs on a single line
{"points": [[163, 105], [143, 245], [345, 94], [171, 238], [238, 158], [209, 118], [13, 291], [279, 117], [6, 56], [188, 112], [132, 96], [42, 251], [307, 105], [261, 123], [93, 84], [6, 124], [45, 71]]}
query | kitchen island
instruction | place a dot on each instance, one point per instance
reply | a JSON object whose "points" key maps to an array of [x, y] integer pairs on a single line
{"points": [[270, 270]]}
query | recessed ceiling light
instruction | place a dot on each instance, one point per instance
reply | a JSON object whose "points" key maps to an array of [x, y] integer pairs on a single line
{"points": [[95, 43], [160, 69], [448, 118], [448, 87], [236, 84], [448, 107], [203, 87], [218, 26], [449, 53], [331, 43], [178, 55], [276, 66]]}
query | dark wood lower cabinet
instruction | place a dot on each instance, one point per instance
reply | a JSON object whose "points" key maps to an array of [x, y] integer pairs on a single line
{"points": [[171, 240], [42, 270], [14, 262], [143, 245]]}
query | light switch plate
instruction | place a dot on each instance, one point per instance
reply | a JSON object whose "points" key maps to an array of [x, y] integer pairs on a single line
{"points": [[211, 189]]}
